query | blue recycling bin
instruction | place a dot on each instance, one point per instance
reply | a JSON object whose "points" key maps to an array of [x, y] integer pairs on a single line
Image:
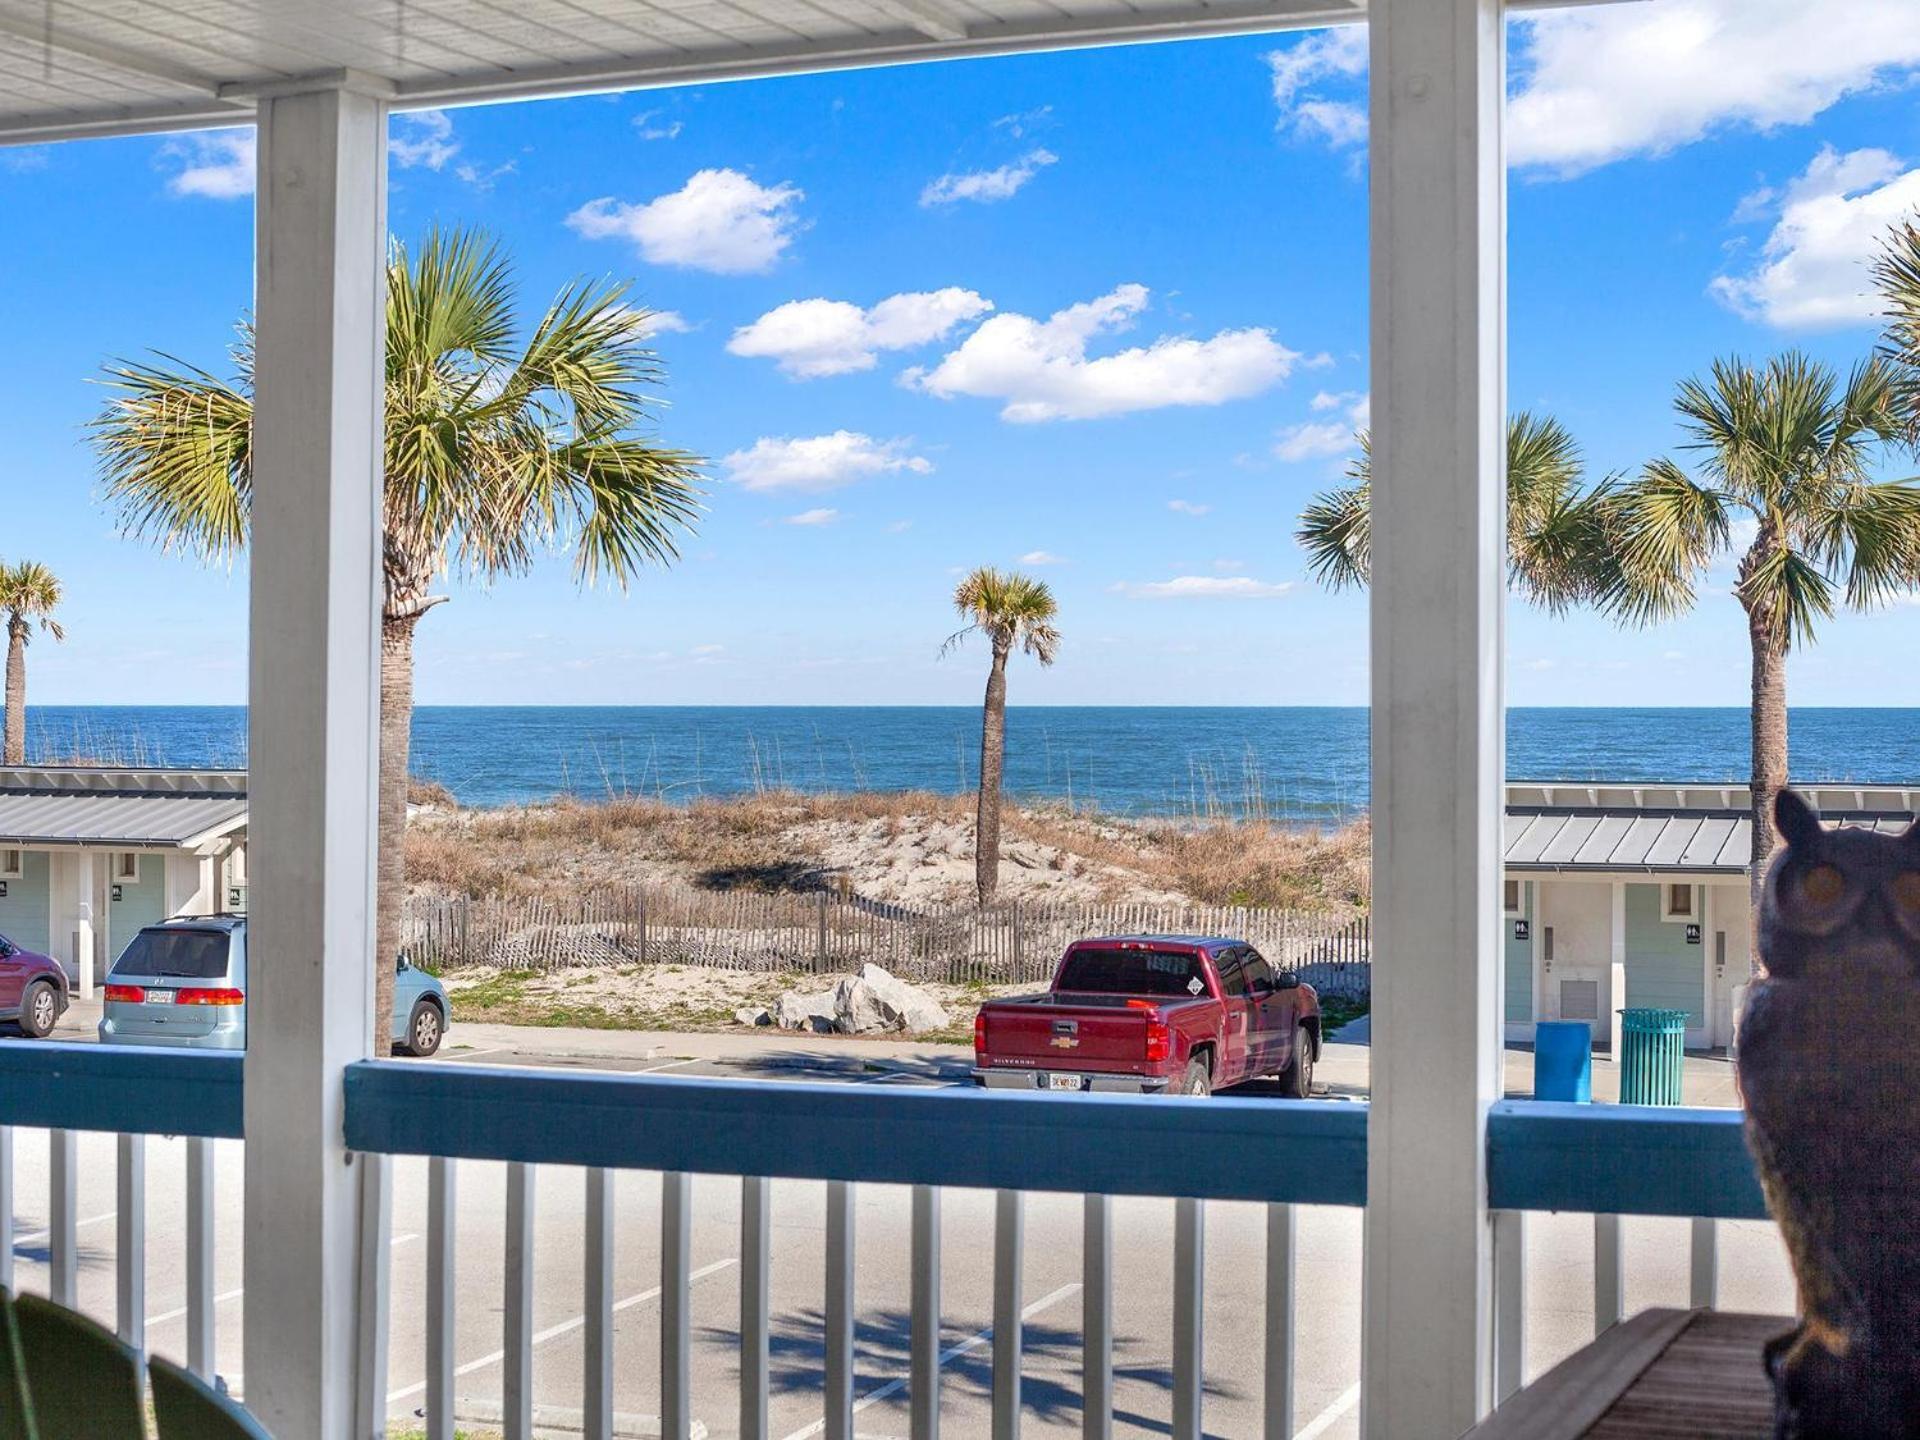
{"points": [[1563, 1061]]}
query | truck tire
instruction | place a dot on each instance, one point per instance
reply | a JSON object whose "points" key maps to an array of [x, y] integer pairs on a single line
{"points": [[1296, 1081], [1197, 1081]]}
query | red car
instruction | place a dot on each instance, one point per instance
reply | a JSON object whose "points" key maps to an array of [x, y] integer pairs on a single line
{"points": [[1153, 1014], [33, 990]]}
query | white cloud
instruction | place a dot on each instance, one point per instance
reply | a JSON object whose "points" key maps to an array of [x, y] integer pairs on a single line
{"points": [[1299, 70], [812, 338], [650, 126], [1042, 557], [483, 179], [820, 462], [1188, 507], [986, 186], [424, 137], [1019, 124], [706, 650], [1041, 370], [1813, 269], [1602, 83], [1227, 567], [217, 165], [814, 517], [1325, 439], [1207, 587], [666, 322], [720, 220]]}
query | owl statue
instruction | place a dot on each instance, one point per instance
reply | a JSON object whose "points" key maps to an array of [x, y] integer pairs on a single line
{"points": [[1829, 1065]]}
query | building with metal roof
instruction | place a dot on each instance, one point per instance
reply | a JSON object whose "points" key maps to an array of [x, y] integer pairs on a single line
{"points": [[1621, 895], [89, 855]]}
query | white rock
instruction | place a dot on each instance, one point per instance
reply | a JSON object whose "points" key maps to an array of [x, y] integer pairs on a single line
{"points": [[753, 1015], [875, 1002], [796, 1010]]}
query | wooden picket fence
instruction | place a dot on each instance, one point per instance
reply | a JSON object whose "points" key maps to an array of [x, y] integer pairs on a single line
{"points": [[1014, 943]]}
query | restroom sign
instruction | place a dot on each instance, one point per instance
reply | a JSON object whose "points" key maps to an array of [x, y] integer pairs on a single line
{"points": [[1522, 929], [1693, 934]]}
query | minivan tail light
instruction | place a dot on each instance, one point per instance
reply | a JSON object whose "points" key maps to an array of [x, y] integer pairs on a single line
{"points": [[1159, 1040], [220, 996], [126, 995]]}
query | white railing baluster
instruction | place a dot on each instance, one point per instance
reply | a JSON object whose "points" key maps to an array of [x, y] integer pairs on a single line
{"points": [[1704, 1281], [676, 1306], [375, 1286], [442, 1192], [1096, 1319], [1609, 1281], [756, 1304], [130, 1241], [63, 1265], [839, 1311], [1009, 1263], [200, 1310], [924, 1371], [1509, 1302], [1189, 1323], [6, 1207], [597, 1309], [1282, 1239], [516, 1381]]}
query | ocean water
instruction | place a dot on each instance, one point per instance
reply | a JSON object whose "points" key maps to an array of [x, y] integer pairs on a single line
{"points": [[1299, 764]]}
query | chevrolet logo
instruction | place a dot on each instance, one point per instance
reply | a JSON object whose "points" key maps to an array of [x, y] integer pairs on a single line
{"points": [[1064, 1042]]}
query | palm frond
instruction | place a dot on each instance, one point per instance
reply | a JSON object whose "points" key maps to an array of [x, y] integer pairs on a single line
{"points": [[175, 449], [1896, 274], [30, 592], [1787, 592], [1871, 535], [1662, 528], [1010, 609]]}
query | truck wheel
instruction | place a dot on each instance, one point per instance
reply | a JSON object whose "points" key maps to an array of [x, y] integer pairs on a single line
{"points": [[1197, 1081], [1297, 1079]]}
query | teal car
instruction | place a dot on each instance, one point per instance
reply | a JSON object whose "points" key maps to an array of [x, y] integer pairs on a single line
{"points": [[184, 983]]}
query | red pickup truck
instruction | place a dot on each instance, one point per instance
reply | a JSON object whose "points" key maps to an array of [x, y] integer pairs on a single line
{"points": [[1153, 1014]]}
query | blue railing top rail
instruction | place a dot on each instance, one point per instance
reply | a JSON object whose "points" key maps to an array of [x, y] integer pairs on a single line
{"points": [[1621, 1160], [1618, 1159], [63, 1086], [1308, 1152]]}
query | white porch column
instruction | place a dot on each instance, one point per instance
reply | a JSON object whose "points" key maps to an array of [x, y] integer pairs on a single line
{"points": [[312, 738], [1438, 586], [1616, 968]]}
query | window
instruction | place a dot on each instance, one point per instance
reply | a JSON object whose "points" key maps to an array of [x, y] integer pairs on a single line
{"points": [[1132, 972], [1678, 903], [11, 863], [1259, 971], [1233, 975], [1510, 897], [126, 867]]}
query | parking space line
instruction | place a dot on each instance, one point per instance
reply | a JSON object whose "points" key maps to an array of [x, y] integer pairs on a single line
{"points": [[971, 1343], [226, 1296], [669, 1065], [554, 1332], [40, 1237], [1324, 1421], [474, 1054]]}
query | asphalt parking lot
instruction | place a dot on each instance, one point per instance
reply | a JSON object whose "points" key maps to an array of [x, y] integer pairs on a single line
{"points": [[1753, 1268]]}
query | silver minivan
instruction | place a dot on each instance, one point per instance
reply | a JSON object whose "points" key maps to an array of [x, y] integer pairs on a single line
{"points": [[184, 982]]}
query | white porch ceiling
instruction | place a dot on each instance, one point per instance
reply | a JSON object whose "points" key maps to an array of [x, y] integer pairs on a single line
{"points": [[71, 68]]}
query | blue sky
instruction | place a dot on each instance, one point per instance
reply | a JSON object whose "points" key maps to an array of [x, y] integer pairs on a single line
{"points": [[1100, 314]]}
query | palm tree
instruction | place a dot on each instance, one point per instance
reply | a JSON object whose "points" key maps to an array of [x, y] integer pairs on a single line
{"points": [[1897, 275], [1788, 448], [1011, 610], [29, 592], [1556, 528], [493, 452]]}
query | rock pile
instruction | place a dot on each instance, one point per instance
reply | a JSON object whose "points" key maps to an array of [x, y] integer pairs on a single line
{"points": [[874, 1002]]}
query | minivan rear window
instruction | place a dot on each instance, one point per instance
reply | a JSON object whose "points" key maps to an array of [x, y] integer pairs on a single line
{"points": [[1133, 972], [185, 954]]}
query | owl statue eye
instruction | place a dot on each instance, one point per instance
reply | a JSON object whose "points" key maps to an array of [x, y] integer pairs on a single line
{"points": [[1905, 889], [1824, 884]]}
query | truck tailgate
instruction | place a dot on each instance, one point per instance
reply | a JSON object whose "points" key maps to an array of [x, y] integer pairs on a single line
{"points": [[1074, 1032]]}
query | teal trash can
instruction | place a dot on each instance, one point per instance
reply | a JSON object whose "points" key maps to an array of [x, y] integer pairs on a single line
{"points": [[1652, 1050]]}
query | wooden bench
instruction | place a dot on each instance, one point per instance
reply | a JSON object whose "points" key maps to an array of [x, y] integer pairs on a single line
{"points": [[1663, 1375]]}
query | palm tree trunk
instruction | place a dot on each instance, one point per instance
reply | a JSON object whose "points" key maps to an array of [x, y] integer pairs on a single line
{"points": [[1769, 760], [16, 741], [993, 755], [396, 738]]}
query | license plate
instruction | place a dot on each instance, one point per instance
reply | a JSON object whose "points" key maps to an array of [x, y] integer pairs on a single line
{"points": [[1063, 1082], [159, 997]]}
